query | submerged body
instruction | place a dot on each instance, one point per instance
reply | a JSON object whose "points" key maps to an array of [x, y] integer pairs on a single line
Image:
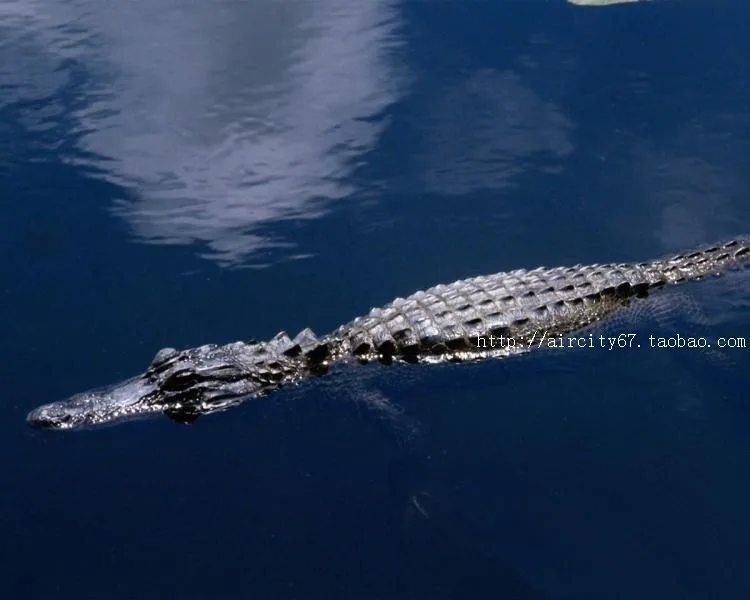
{"points": [[482, 317]]}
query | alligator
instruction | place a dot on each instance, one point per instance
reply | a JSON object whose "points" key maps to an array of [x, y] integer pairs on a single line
{"points": [[491, 316]]}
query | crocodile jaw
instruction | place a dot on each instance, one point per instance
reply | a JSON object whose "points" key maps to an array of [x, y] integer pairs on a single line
{"points": [[124, 401]]}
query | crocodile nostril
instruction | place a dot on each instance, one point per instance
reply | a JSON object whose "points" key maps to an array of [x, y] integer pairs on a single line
{"points": [[42, 419]]}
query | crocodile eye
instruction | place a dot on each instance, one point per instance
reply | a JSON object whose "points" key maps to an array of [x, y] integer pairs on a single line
{"points": [[163, 356], [179, 381]]}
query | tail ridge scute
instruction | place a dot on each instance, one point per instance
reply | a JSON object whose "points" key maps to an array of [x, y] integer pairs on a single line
{"points": [[710, 260]]}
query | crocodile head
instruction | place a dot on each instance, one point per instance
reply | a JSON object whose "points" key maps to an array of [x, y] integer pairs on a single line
{"points": [[130, 399], [180, 384]]}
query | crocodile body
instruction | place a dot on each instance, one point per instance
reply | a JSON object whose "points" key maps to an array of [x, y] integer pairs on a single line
{"points": [[482, 317]]}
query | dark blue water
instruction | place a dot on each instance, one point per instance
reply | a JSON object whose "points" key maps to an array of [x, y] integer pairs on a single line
{"points": [[174, 173]]}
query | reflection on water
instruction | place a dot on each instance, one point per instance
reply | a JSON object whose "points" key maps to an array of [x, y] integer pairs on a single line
{"points": [[484, 129], [221, 116]]}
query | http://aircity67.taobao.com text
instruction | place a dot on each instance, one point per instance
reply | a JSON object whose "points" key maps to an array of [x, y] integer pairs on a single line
{"points": [[622, 341]]}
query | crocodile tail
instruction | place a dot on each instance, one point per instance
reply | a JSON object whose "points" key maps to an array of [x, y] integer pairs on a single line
{"points": [[709, 260]]}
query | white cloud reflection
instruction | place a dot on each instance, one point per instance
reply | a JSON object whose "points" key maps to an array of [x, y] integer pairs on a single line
{"points": [[222, 116], [693, 180], [483, 130]]}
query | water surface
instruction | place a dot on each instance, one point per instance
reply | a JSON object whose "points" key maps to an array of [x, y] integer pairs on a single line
{"points": [[175, 173]]}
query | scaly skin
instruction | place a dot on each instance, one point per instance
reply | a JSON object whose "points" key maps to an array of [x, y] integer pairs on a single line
{"points": [[451, 322]]}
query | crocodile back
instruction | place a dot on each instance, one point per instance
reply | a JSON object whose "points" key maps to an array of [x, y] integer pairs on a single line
{"points": [[511, 312]]}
